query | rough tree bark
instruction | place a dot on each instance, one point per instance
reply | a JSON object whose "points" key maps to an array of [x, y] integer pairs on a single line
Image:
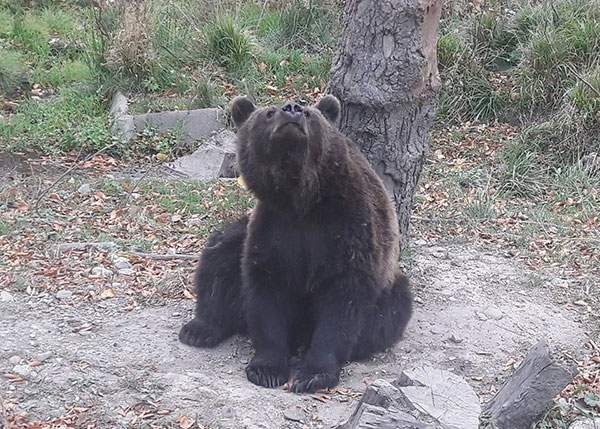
{"points": [[385, 75]]}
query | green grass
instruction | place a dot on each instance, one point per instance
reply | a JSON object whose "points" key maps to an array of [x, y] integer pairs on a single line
{"points": [[228, 43], [537, 65], [5, 228], [75, 119], [13, 71], [65, 73]]}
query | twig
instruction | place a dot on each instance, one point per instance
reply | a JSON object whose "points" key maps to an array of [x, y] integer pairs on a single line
{"points": [[166, 257], [68, 171]]}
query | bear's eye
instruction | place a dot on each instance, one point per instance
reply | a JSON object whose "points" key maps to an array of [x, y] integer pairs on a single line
{"points": [[306, 113], [270, 113]]}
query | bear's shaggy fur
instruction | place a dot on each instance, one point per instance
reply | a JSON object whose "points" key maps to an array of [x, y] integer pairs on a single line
{"points": [[312, 274]]}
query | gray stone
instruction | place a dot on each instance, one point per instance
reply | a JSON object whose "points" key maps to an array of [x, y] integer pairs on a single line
{"points": [[215, 158], [294, 414], [589, 423], [456, 339], [42, 357], [126, 272], [24, 371], [493, 313], [121, 263], [118, 106], [84, 189], [525, 395], [100, 271], [123, 128], [5, 296], [194, 124], [16, 359], [442, 395], [122, 124], [380, 407], [64, 294]]}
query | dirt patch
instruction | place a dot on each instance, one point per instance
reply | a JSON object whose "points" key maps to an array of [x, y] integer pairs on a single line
{"points": [[476, 314]]}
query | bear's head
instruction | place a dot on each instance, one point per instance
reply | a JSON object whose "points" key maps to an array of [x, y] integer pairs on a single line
{"points": [[281, 148]]}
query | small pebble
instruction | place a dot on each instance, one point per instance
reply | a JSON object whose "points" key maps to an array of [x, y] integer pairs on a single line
{"points": [[455, 339], [15, 360], [42, 357], [482, 316], [64, 294], [5, 296], [23, 370], [100, 271], [493, 313], [84, 189]]}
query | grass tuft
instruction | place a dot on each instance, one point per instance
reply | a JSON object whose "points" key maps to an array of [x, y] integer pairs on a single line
{"points": [[230, 45]]}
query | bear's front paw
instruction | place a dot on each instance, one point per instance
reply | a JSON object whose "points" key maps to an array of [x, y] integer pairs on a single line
{"points": [[310, 380], [198, 334], [267, 373]]}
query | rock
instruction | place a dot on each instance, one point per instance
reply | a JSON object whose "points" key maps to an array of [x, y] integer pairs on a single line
{"points": [[481, 316], [380, 408], [121, 263], [442, 395], [122, 124], [6, 296], [214, 159], [24, 371], [526, 394], [423, 398], [64, 294], [42, 357], [15, 360], [126, 272], [100, 271], [118, 106], [84, 189], [589, 423], [455, 339], [194, 124], [493, 313], [294, 414]]}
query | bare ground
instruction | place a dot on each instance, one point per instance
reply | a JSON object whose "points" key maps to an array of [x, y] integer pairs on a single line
{"points": [[69, 357], [113, 366]]}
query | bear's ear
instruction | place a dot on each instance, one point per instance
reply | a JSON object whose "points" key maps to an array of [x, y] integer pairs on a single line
{"points": [[329, 107], [241, 109]]}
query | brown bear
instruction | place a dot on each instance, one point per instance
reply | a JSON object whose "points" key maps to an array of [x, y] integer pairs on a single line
{"points": [[311, 276]]}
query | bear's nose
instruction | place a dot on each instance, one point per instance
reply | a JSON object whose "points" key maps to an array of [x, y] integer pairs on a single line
{"points": [[292, 109]]}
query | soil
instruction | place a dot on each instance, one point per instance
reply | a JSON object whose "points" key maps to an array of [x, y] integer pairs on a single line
{"points": [[106, 364]]}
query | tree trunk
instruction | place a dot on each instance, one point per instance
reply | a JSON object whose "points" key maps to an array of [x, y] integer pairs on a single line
{"points": [[385, 75]]}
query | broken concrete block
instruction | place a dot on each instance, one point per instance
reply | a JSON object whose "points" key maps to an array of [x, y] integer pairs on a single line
{"points": [[122, 126], [194, 124], [118, 106], [379, 407], [442, 395], [525, 395], [215, 158]]}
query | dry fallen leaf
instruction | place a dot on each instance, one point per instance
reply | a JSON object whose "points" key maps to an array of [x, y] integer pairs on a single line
{"points": [[107, 293], [184, 422], [188, 294]]}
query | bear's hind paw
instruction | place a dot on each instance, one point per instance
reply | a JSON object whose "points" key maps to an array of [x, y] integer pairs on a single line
{"points": [[306, 382], [198, 334], [267, 375]]}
